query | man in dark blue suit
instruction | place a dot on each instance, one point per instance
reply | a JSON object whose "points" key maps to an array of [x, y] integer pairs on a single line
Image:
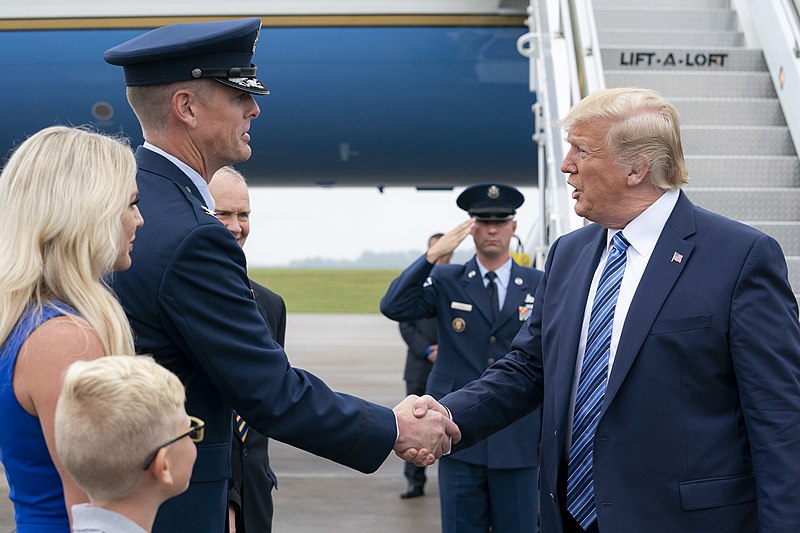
{"points": [[422, 338], [479, 306], [681, 410], [250, 493], [188, 296]]}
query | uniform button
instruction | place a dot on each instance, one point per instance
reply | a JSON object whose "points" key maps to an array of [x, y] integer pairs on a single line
{"points": [[490, 360], [492, 339], [244, 452]]}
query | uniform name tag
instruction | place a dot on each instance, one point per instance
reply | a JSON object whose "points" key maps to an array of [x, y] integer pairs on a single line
{"points": [[461, 306]]}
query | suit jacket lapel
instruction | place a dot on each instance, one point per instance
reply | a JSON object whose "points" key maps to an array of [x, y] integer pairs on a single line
{"points": [[161, 166], [474, 288], [574, 307], [659, 277], [514, 295]]}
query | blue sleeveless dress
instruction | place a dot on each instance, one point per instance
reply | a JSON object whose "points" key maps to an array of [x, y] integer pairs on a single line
{"points": [[35, 486]]}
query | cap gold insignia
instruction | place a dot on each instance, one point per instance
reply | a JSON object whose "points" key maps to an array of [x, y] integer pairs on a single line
{"points": [[517, 281], [459, 325], [471, 274], [493, 193]]}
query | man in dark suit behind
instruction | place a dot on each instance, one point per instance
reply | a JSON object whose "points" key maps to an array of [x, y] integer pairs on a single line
{"points": [[689, 419], [187, 295], [250, 506], [423, 346]]}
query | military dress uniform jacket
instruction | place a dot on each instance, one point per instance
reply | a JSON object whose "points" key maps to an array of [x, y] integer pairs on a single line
{"points": [[253, 480], [189, 302], [469, 342]]}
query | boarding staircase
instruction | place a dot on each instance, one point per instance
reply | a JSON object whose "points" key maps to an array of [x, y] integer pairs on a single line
{"points": [[741, 158]]}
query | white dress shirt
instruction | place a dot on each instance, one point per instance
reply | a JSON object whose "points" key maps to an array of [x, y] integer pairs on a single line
{"points": [[196, 178], [642, 233], [502, 279]]}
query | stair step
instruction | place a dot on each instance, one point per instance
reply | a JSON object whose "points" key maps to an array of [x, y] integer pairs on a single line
{"points": [[729, 111], [674, 4], [682, 57], [788, 236], [793, 262], [658, 18], [743, 171], [676, 38], [769, 205], [749, 140], [682, 83]]}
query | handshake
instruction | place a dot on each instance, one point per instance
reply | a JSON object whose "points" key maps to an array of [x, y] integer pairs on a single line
{"points": [[425, 430]]}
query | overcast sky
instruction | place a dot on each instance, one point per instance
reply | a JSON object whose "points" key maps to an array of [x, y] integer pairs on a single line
{"points": [[342, 223]]}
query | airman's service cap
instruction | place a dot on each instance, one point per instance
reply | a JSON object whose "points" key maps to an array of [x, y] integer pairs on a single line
{"points": [[490, 201], [222, 51]]}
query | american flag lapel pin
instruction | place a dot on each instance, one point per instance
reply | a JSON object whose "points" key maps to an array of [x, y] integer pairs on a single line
{"points": [[676, 258]]}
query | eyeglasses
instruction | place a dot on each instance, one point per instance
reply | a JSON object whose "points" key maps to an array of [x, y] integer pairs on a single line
{"points": [[196, 432]]}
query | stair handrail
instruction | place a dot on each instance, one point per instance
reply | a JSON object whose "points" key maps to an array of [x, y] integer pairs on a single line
{"points": [[557, 29], [538, 46], [587, 43], [778, 30], [793, 11]]}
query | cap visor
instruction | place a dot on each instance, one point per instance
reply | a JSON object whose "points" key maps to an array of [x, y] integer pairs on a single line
{"points": [[248, 85], [492, 216]]}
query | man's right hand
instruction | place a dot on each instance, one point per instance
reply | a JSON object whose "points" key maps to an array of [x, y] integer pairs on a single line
{"points": [[425, 434], [433, 353], [449, 241]]}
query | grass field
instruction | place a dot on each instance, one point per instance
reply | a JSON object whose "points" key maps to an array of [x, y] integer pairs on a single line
{"points": [[327, 291]]}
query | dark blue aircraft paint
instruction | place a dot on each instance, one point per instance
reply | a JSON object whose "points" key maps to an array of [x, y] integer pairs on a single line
{"points": [[425, 106]]}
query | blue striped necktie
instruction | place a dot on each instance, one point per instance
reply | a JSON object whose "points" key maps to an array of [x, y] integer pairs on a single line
{"points": [[592, 386]]}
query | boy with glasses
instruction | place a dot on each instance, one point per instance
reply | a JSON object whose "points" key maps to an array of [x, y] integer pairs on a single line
{"points": [[123, 434]]}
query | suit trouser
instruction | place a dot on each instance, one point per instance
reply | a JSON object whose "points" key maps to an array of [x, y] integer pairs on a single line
{"points": [[415, 474], [474, 497]]}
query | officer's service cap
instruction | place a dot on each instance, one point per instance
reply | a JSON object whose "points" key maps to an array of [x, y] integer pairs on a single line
{"points": [[222, 51], [490, 201]]}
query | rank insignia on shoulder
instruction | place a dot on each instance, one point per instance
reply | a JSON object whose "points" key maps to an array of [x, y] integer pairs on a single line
{"points": [[459, 325], [524, 312], [209, 211]]}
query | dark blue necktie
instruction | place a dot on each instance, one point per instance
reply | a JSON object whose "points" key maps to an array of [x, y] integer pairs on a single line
{"points": [[592, 386]]}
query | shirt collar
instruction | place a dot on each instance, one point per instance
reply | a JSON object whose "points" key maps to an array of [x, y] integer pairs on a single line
{"points": [[196, 178], [503, 272], [644, 230]]}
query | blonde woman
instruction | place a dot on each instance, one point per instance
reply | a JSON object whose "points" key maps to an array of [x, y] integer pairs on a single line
{"points": [[68, 198]]}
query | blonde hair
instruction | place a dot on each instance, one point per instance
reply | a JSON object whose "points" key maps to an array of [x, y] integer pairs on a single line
{"points": [[112, 413], [642, 125], [151, 103], [62, 194]]}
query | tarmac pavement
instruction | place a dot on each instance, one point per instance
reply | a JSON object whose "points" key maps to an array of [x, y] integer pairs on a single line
{"points": [[358, 354]]}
